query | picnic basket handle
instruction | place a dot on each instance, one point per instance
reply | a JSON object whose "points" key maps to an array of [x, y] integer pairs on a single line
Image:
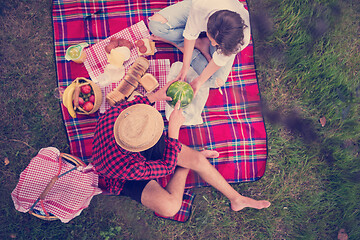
{"points": [[52, 181], [68, 157], [48, 187]]}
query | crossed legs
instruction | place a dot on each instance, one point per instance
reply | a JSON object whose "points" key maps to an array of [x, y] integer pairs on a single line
{"points": [[174, 35], [167, 201], [202, 44]]}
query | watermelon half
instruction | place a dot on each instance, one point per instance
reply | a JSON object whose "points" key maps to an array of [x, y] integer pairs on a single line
{"points": [[182, 91]]}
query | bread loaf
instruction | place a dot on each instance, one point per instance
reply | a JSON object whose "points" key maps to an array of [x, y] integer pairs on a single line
{"points": [[132, 80], [115, 97], [149, 82], [125, 88], [129, 83], [132, 96]]}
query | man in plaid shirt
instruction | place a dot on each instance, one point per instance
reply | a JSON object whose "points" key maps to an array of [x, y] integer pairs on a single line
{"points": [[133, 174]]}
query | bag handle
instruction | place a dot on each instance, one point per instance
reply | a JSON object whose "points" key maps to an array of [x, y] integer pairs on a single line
{"points": [[50, 185]]}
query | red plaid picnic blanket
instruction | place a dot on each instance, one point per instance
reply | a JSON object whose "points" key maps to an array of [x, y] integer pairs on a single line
{"points": [[233, 123]]}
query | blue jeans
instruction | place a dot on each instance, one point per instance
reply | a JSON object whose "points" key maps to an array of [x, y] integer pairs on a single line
{"points": [[176, 16]]}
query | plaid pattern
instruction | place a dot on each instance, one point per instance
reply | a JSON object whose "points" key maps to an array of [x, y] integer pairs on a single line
{"points": [[117, 164], [96, 58], [185, 211], [158, 67], [70, 194], [233, 123], [96, 61]]}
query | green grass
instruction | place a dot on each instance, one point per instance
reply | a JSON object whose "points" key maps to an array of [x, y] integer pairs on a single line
{"points": [[307, 58]]}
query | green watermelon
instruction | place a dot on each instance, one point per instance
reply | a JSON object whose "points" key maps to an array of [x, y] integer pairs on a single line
{"points": [[182, 91]]}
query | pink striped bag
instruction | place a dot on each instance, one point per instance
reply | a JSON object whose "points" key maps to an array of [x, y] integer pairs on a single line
{"points": [[55, 186]]}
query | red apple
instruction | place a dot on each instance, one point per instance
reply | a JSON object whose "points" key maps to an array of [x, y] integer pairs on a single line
{"points": [[92, 98], [86, 89], [81, 101], [88, 106]]}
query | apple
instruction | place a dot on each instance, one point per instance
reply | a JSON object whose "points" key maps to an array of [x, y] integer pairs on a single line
{"points": [[86, 89], [92, 98], [88, 106], [81, 101]]}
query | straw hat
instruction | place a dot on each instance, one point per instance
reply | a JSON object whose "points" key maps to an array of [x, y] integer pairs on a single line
{"points": [[138, 127]]}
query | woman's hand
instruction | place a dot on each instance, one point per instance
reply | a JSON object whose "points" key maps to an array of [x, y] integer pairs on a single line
{"points": [[187, 54], [160, 95], [176, 120], [209, 70], [182, 74]]}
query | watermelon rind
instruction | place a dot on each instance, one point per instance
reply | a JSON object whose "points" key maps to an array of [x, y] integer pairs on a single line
{"points": [[182, 91]]}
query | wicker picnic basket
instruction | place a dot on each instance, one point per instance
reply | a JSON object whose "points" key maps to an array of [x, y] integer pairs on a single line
{"points": [[69, 95], [44, 215], [55, 186]]}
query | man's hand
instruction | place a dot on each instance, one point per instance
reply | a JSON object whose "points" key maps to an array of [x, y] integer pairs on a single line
{"points": [[176, 120], [160, 95], [195, 84]]}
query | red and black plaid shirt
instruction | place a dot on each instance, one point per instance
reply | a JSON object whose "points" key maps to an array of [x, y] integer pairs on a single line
{"points": [[115, 165]]}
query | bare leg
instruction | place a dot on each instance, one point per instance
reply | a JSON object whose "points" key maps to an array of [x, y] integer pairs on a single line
{"points": [[197, 161], [166, 202]]}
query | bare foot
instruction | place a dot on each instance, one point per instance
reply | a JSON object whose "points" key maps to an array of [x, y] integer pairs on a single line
{"points": [[243, 202], [210, 153], [156, 38], [203, 45], [342, 235]]}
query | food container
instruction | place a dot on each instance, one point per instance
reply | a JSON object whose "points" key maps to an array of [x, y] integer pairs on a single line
{"points": [[70, 94], [76, 53]]}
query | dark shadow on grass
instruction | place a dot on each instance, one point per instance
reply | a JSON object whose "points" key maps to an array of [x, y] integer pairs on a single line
{"points": [[306, 129], [262, 27], [293, 122], [262, 23]]}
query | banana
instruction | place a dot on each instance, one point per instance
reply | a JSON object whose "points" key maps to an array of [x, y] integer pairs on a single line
{"points": [[65, 95], [76, 95], [68, 98]]}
